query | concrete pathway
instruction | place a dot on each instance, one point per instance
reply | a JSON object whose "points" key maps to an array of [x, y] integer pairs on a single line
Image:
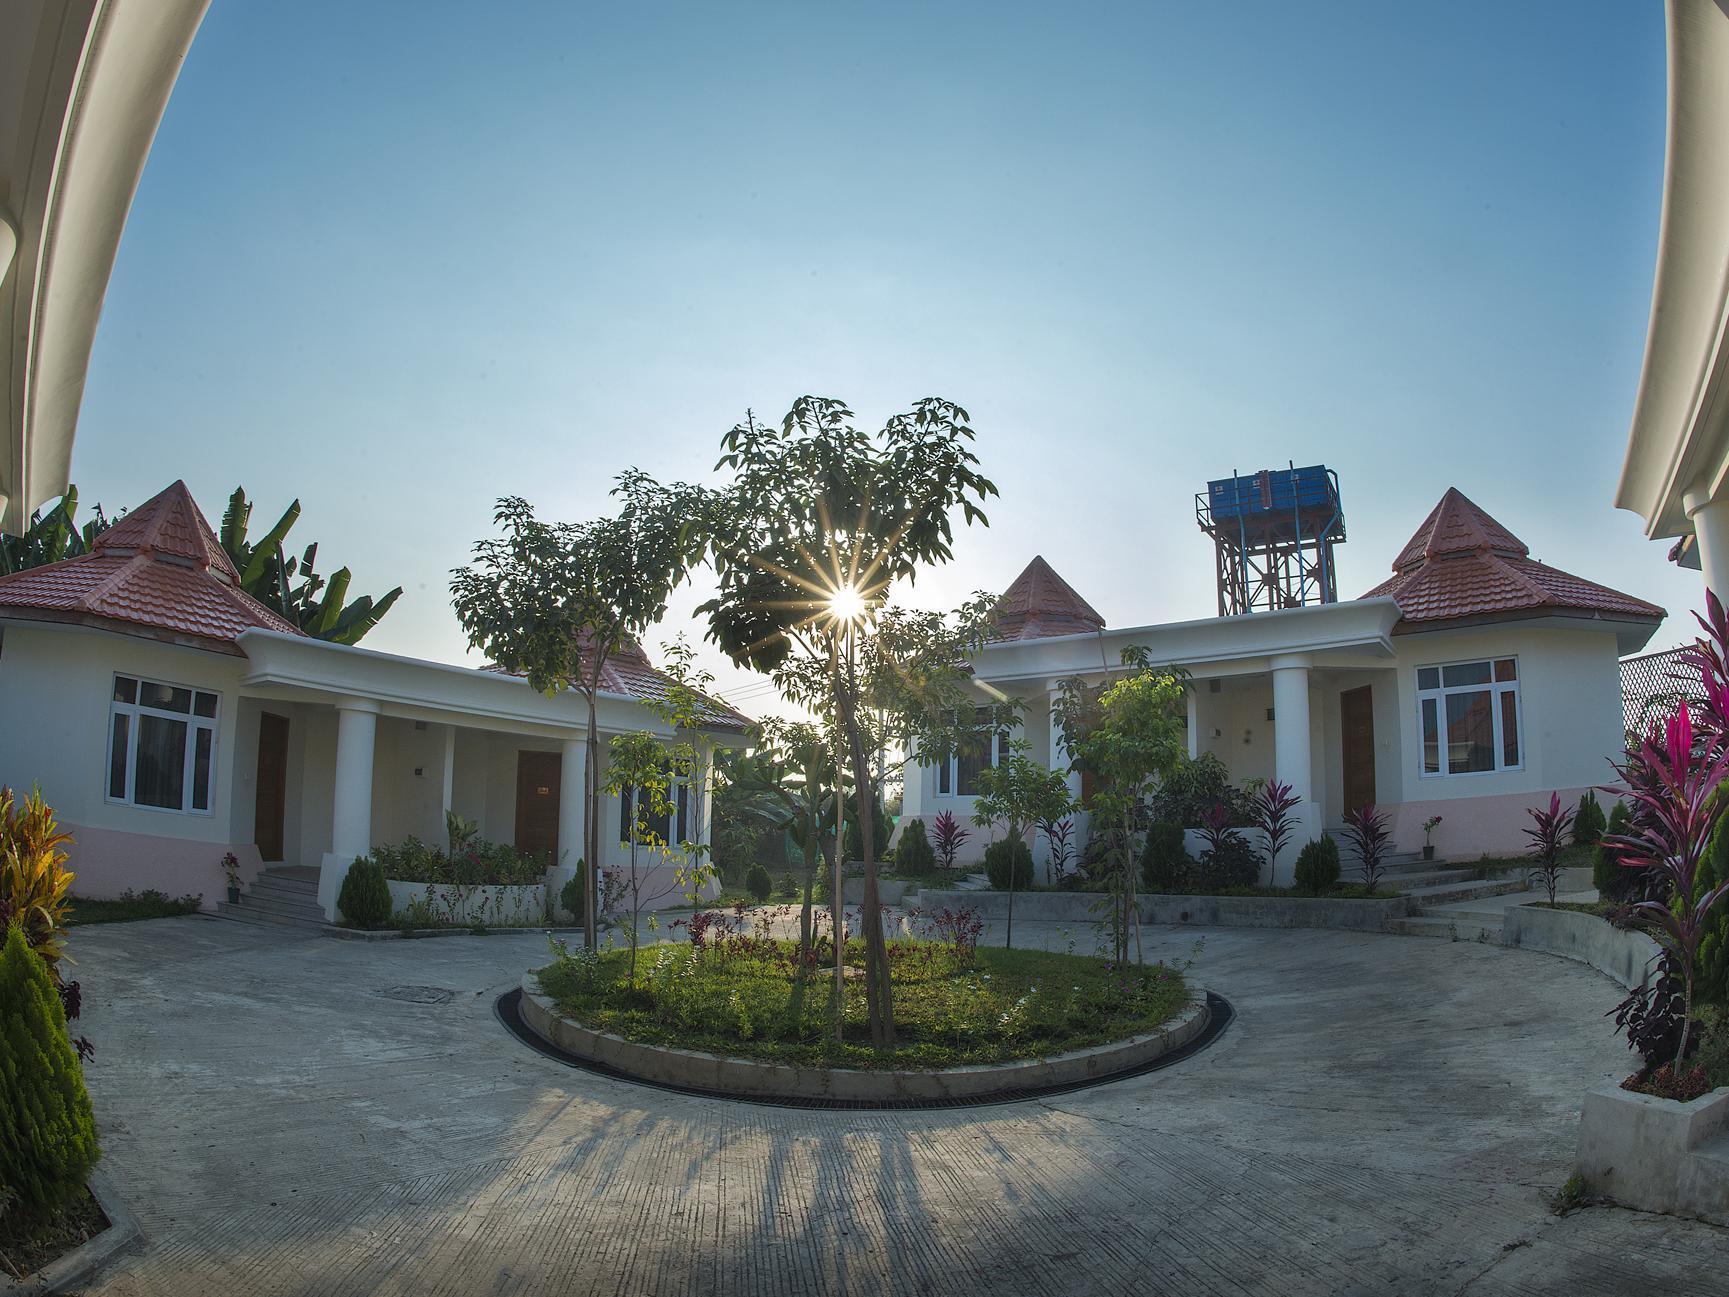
{"points": [[294, 1115]]}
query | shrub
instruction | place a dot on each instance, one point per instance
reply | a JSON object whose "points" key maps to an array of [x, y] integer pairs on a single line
{"points": [[881, 827], [1713, 984], [1009, 865], [1194, 788], [947, 837], [758, 883], [1589, 821], [1231, 865], [1366, 831], [571, 896], [913, 854], [365, 897], [1318, 865], [47, 1130], [1549, 826], [1605, 872], [1165, 864], [34, 881]]}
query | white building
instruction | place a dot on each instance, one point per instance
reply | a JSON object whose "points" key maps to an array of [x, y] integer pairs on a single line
{"points": [[169, 718], [1471, 684]]}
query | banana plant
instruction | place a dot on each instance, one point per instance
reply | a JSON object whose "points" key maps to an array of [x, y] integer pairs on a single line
{"points": [[292, 586], [52, 535]]}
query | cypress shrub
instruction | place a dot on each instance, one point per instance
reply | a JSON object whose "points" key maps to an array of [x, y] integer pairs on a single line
{"points": [[47, 1130], [365, 898], [1318, 865], [913, 854], [1604, 871], [1164, 863], [571, 896], [758, 883], [1713, 983], [1589, 822], [1004, 856], [882, 827]]}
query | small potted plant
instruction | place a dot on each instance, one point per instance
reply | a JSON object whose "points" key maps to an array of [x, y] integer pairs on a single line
{"points": [[231, 867], [1429, 826]]}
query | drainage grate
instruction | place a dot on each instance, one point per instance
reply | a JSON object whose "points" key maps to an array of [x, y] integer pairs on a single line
{"points": [[507, 1009], [418, 994]]}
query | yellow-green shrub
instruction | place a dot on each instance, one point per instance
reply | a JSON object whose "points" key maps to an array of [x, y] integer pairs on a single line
{"points": [[34, 880]]}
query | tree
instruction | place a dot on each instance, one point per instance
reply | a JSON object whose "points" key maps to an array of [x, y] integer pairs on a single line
{"points": [[640, 773], [52, 535], [819, 522], [318, 607], [1021, 793], [555, 602], [1126, 732]]}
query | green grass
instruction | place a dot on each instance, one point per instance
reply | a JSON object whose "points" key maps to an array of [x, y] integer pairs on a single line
{"points": [[1000, 1005], [129, 907]]}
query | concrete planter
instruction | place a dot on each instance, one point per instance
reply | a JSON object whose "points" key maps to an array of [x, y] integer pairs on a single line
{"points": [[1656, 1154], [718, 1072], [1204, 911], [890, 891], [73, 1270], [493, 906], [1587, 938]]}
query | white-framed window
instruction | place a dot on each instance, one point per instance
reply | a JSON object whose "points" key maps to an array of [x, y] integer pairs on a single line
{"points": [[1468, 717], [958, 776], [161, 745], [663, 827]]}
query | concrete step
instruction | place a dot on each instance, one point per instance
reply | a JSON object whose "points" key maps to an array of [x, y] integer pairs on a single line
{"points": [[293, 908], [287, 882], [973, 883], [1450, 929], [256, 914], [1428, 878], [264, 887], [1470, 890]]}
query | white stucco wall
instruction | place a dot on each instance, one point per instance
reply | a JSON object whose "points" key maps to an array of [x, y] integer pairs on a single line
{"points": [[56, 686]]}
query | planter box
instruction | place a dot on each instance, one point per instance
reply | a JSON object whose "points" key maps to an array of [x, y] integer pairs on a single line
{"points": [[493, 906], [1656, 1154], [1623, 956]]}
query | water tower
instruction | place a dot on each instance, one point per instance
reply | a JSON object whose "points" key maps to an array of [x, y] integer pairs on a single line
{"points": [[1273, 537]]}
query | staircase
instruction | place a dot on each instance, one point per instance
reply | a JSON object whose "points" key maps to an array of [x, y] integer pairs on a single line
{"points": [[1453, 903], [285, 895]]}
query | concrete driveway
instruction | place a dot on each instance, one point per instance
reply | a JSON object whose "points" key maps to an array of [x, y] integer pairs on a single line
{"points": [[1385, 1115]]}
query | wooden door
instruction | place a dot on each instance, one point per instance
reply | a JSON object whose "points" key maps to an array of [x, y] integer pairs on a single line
{"points": [[1357, 739], [537, 781], [271, 795]]}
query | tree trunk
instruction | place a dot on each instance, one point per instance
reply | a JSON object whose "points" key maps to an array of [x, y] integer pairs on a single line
{"points": [[879, 994], [837, 904], [591, 833]]}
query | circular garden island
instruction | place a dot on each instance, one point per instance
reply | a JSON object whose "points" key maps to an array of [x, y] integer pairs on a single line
{"points": [[729, 1013]]}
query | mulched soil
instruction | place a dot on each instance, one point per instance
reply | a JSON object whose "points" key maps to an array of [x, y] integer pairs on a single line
{"points": [[1663, 1083], [23, 1253]]}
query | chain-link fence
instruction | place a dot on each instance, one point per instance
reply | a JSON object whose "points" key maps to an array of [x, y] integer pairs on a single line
{"points": [[1653, 683]]}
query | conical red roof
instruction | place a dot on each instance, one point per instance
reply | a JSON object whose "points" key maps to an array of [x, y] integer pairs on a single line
{"points": [[159, 571], [627, 673], [1039, 604], [1462, 563]]}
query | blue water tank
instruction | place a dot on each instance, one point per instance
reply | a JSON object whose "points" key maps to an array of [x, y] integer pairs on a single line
{"points": [[1274, 491]]}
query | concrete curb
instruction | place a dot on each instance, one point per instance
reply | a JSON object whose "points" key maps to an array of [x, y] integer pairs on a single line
{"points": [[1202, 911], [1644, 1152], [81, 1262], [750, 1079], [1586, 938], [338, 933]]}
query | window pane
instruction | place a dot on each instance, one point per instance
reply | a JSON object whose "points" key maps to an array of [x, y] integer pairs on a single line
{"points": [[204, 705], [1470, 733], [1506, 669], [125, 689], [1428, 677], [159, 778], [165, 697], [645, 827], [945, 778], [117, 756], [1465, 673], [1509, 728], [1431, 738], [683, 813], [201, 769]]}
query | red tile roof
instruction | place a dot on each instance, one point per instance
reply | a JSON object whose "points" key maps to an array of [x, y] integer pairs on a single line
{"points": [[627, 673], [1462, 564], [1039, 604], [159, 571]]}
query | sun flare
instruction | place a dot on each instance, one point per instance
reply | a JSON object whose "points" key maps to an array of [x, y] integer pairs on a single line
{"points": [[846, 604]]}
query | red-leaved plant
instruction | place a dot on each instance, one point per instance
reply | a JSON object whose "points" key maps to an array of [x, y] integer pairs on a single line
{"points": [[1671, 779], [1272, 807], [1366, 831], [947, 835], [1548, 834], [1059, 840]]}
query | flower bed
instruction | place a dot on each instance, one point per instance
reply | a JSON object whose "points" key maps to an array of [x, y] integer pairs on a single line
{"points": [[432, 905], [472, 864], [954, 1006]]}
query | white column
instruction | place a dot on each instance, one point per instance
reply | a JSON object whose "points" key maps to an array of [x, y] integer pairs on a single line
{"points": [[351, 805], [572, 781], [1291, 754], [448, 795], [1711, 534], [1060, 761], [1194, 702]]}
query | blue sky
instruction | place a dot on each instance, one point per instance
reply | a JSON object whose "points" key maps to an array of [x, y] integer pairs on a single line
{"points": [[398, 259]]}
